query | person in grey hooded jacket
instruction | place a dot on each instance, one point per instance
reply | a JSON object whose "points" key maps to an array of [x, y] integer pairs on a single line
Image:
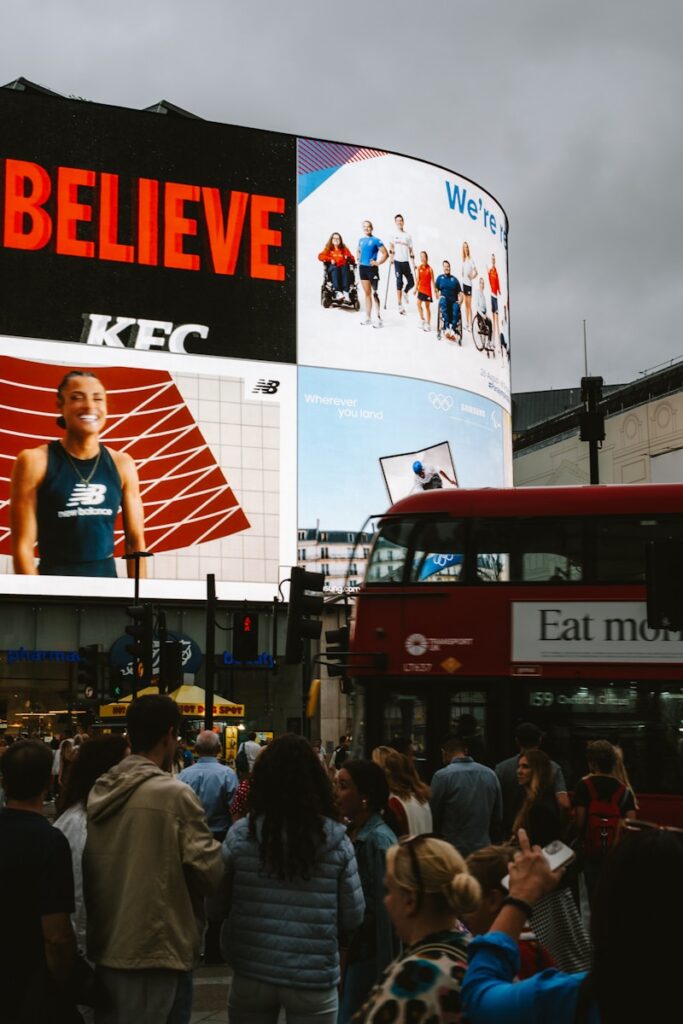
{"points": [[292, 888]]}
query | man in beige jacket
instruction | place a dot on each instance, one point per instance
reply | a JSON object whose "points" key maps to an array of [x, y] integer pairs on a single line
{"points": [[148, 862]]}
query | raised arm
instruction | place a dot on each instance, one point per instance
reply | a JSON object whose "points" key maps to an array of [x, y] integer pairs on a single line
{"points": [[28, 472]]}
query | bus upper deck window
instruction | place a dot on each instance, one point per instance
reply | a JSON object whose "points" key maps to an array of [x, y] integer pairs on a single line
{"points": [[528, 550], [389, 552], [438, 552], [622, 543]]}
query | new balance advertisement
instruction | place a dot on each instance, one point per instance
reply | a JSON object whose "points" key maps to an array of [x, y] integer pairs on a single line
{"points": [[192, 460], [210, 336]]}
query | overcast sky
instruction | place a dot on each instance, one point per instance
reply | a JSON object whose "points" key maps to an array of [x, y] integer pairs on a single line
{"points": [[569, 113]]}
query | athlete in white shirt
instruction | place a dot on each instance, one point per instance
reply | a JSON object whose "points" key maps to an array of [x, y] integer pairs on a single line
{"points": [[402, 256]]}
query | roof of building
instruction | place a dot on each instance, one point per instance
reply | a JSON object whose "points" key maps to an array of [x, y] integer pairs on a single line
{"points": [[527, 430]]}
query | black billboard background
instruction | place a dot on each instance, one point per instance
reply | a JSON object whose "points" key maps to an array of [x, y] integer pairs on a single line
{"points": [[45, 295]]}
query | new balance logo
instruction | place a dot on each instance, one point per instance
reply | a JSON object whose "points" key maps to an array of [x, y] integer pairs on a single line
{"points": [[265, 387], [84, 501], [87, 494]]}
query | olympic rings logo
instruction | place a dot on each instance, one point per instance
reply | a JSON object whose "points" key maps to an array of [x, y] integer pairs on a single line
{"points": [[443, 402], [443, 560]]}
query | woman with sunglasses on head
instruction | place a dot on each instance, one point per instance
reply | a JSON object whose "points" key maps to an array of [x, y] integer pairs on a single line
{"points": [[428, 889], [635, 927], [362, 798], [409, 795]]}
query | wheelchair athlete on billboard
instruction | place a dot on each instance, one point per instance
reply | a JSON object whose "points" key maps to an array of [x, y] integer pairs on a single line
{"points": [[65, 495]]}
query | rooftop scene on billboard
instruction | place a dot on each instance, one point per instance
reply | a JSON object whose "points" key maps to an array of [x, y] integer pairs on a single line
{"points": [[378, 438]]}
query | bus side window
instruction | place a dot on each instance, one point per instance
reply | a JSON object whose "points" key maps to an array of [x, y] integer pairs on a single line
{"points": [[537, 550], [550, 550], [621, 545], [438, 554], [493, 547]]}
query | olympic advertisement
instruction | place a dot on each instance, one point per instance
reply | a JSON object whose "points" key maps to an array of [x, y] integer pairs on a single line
{"points": [[358, 419], [401, 269], [213, 337]]}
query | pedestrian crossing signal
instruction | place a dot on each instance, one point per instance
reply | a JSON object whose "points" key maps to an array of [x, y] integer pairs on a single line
{"points": [[245, 636]]}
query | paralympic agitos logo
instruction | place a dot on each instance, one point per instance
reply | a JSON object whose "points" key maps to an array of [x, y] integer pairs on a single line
{"points": [[77, 211]]}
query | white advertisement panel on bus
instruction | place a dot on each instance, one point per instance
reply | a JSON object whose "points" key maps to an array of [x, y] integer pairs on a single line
{"points": [[595, 631]]}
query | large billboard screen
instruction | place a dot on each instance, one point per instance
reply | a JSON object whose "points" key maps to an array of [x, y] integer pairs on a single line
{"points": [[208, 286]]}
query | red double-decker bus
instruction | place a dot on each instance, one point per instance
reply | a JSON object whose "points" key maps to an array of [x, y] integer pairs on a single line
{"points": [[525, 604]]}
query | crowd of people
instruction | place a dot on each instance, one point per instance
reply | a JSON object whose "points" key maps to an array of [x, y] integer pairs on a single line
{"points": [[341, 890]]}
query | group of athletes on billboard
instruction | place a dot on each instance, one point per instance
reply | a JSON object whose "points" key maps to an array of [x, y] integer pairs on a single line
{"points": [[454, 295]]}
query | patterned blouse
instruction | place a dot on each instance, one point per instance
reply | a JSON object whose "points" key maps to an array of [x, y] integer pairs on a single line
{"points": [[422, 986]]}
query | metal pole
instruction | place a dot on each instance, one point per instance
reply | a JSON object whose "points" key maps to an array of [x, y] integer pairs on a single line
{"points": [[209, 650], [593, 468], [585, 350]]}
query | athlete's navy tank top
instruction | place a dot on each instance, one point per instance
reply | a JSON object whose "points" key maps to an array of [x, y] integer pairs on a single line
{"points": [[76, 519]]}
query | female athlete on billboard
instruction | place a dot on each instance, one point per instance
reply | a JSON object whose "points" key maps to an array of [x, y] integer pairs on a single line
{"points": [[65, 495]]}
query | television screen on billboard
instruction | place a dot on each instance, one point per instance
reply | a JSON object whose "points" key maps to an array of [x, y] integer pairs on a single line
{"points": [[277, 329]]}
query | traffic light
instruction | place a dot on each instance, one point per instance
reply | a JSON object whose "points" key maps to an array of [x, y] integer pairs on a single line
{"points": [[305, 598], [142, 631], [89, 672], [116, 687], [170, 664], [245, 636], [337, 650]]}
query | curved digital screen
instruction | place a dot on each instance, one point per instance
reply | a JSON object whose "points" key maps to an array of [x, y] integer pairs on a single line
{"points": [[193, 270]]}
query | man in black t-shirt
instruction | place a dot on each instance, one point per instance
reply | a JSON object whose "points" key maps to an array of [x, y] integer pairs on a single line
{"points": [[38, 945]]}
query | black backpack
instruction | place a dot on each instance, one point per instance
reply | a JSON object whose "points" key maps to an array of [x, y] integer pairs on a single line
{"points": [[242, 762]]}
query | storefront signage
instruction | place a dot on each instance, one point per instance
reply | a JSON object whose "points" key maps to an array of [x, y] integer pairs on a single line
{"points": [[264, 660], [23, 654], [595, 631]]}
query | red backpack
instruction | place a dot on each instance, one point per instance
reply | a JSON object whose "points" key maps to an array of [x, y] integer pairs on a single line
{"points": [[603, 820]]}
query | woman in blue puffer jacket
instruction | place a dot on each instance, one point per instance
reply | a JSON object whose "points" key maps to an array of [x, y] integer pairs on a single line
{"points": [[293, 886]]}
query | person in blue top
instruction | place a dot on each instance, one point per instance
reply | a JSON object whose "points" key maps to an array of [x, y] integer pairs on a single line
{"points": [[369, 249], [65, 495], [635, 925], [450, 297]]}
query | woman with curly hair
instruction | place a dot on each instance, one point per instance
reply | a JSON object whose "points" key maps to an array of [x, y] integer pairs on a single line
{"points": [[428, 889], [292, 886], [409, 795]]}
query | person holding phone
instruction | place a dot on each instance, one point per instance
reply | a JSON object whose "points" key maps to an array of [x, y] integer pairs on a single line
{"points": [[635, 926], [556, 918]]}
